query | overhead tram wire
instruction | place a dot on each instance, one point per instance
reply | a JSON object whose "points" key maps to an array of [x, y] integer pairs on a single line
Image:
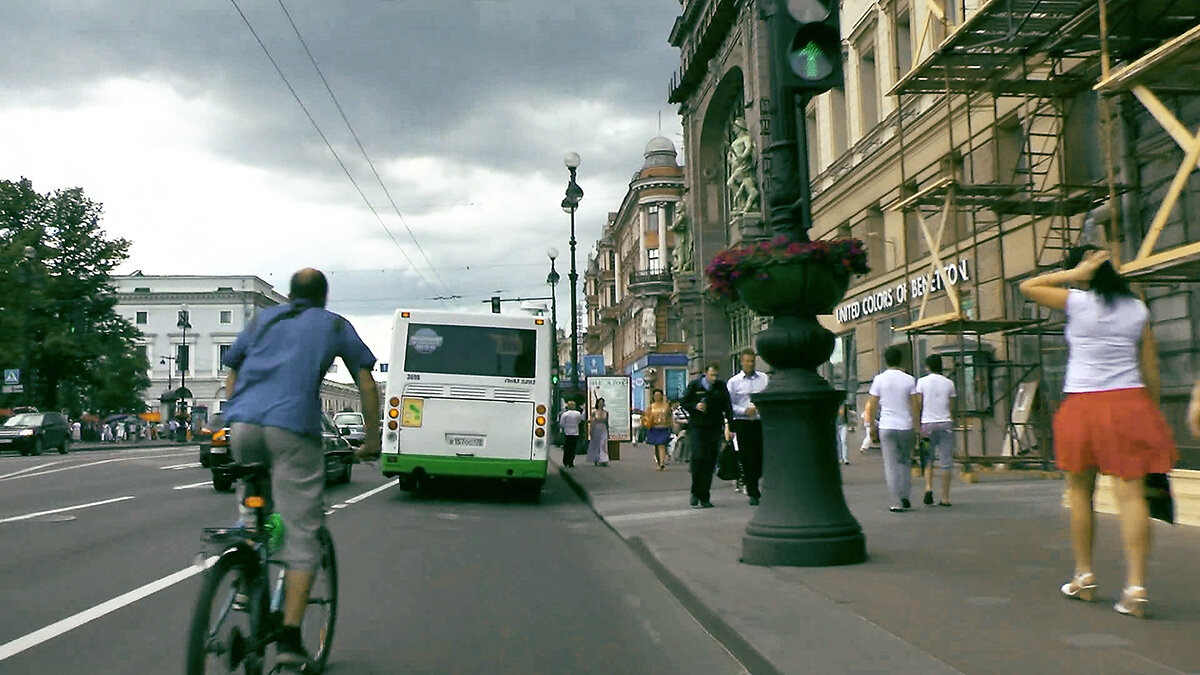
{"points": [[325, 138], [363, 150]]}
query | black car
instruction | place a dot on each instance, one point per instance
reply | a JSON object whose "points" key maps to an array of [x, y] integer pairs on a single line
{"points": [[30, 433], [338, 457], [214, 433]]}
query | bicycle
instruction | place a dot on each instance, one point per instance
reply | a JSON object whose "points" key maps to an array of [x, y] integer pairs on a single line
{"points": [[235, 594]]}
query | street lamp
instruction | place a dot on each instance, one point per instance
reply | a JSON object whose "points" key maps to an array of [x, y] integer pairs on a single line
{"points": [[30, 256], [169, 361], [552, 279], [184, 357], [569, 204]]}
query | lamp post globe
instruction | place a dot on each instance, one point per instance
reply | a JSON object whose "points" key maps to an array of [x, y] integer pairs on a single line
{"points": [[571, 160]]}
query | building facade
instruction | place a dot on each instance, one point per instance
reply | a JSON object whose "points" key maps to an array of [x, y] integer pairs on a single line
{"points": [[628, 282], [968, 158], [218, 308]]}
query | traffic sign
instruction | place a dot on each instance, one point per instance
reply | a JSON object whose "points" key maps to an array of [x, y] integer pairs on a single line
{"points": [[14, 389], [12, 376]]}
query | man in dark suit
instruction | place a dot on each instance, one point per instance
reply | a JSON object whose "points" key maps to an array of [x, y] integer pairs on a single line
{"points": [[710, 411]]}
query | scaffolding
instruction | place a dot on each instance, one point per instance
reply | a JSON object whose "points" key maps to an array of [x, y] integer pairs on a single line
{"points": [[1012, 87]]}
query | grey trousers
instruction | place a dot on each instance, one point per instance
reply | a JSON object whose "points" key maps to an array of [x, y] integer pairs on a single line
{"points": [[297, 485], [897, 446]]}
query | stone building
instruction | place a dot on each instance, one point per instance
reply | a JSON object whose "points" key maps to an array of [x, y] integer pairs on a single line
{"points": [[968, 157], [628, 281]]}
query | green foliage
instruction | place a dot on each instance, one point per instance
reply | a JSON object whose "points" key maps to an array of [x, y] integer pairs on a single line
{"points": [[60, 305]]}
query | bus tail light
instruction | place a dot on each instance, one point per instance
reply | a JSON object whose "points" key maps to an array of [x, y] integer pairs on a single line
{"points": [[541, 409], [539, 432]]}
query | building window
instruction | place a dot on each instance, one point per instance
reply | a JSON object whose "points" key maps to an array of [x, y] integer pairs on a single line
{"points": [[904, 50], [652, 218], [226, 316], [142, 289], [222, 350], [655, 264], [612, 260], [868, 88], [840, 138], [843, 366], [182, 354], [812, 136], [141, 318]]}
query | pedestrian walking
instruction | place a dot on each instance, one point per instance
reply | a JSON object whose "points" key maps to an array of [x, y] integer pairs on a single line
{"points": [[893, 394], [746, 424], [1193, 412], [597, 452], [935, 395], [658, 423], [570, 421], [709, 410], [1109, 421], [678, 450], [843, 429]]}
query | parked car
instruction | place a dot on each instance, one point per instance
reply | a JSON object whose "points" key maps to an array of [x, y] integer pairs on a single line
{"points": [[352, 426], [31, 432], [339, 456], [208, 438]]}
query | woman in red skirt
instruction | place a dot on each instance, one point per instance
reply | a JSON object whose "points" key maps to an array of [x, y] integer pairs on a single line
{"points": [[1110, 421]]}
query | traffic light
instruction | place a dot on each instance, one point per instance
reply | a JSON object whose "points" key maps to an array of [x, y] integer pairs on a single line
{"points": [[807, 46], [495, 304], [554, 376]]}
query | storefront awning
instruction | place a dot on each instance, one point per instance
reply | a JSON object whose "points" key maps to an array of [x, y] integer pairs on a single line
{"points": [[954, 324]]}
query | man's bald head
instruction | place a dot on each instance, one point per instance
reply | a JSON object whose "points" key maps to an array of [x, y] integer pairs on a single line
{"points": [[309, 284]]}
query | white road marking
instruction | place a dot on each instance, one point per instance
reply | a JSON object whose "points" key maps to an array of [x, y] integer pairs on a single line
{"points": [[32, 468], [72, 622], [193, 485], [80, 466], [27, 516], [628, 517], [340, 506], [369, 493], [177, 467]]}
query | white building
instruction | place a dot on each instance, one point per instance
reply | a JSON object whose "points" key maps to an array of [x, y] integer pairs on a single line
{"points": [[218, 308]]}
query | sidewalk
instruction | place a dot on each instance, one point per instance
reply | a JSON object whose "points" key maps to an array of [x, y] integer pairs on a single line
{"points": [[83, 446], [971, 589]]}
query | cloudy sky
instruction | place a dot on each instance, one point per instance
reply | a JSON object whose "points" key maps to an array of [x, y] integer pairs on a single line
{"points": [[172, 116]]}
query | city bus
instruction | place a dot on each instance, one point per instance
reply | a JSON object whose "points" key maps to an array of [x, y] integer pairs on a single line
{"points": [[467, 395]]}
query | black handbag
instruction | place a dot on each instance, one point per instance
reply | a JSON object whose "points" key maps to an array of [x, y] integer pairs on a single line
{"points": [[728, 467], [1158, 497]]}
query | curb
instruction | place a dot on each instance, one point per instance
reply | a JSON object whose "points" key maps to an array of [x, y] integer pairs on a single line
{"points": [[733, 642], [132, 446]]}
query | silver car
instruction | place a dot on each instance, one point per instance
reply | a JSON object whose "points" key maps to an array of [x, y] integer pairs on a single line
{"points": [[352, 427]]}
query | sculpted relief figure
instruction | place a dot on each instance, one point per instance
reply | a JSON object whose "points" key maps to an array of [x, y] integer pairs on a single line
{"points": [[682, 253], [743, 196]]}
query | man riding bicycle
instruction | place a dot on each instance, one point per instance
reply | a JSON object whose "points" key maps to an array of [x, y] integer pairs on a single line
{"points": [[275, 370]]}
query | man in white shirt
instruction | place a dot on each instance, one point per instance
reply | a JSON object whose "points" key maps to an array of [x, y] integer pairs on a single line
{"points": [[747, 425], [893, 393], [569, 421], [934, 395]]}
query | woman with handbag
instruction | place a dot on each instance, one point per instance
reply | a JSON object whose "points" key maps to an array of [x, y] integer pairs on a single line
{"points": [[658, 422], [1109, 421]]}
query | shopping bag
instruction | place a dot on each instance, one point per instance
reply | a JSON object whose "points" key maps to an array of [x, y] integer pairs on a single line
{"points": [[728, 467], [1158, 497]]}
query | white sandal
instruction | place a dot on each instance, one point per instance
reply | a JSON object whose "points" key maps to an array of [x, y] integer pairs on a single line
{"points": [[1133, 602], [1082, 587]]}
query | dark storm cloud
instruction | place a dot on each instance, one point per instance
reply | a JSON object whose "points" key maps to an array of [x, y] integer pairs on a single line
{"points": [[417, 77]]}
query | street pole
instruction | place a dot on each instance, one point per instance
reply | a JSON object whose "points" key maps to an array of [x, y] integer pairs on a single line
{"points": [[27, 375], [570, 203]]}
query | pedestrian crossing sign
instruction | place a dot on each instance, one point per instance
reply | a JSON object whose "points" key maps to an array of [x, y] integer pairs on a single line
{"points": [[12, 376]]}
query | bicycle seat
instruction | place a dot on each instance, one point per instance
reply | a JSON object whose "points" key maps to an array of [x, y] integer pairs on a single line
{"points": [[249, 470]]}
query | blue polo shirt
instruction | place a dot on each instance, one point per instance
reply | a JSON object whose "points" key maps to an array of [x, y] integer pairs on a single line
{"points": [[281, 358]]}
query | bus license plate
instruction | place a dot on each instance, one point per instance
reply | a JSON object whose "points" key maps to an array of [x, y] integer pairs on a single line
{"points": [[464, 440]]}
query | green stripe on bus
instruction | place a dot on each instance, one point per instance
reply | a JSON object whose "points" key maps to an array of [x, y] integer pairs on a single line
{"points": [[479, 467]]}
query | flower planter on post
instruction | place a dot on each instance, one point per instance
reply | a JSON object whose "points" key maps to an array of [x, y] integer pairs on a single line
{"points": [[803, 519]]}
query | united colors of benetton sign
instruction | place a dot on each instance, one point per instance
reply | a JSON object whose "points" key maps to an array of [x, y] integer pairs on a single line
{"points": [[915, 287]]}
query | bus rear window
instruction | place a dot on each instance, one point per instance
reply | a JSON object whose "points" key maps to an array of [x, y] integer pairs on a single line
{"points": [[470, 350]]}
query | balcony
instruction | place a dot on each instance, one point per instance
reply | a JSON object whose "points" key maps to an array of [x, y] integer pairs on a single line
{"points": [[610, 313], [651, 282]]}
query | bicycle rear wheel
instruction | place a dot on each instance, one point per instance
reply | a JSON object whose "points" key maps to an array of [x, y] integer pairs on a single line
{"points": [[229, 614], [320, 616]]}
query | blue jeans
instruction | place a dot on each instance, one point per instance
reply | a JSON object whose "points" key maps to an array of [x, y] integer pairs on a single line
{"points": [[843, 455], [897, 446]]}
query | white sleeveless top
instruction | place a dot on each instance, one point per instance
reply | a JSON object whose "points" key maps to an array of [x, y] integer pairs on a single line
{"points": [[1103, 341]]}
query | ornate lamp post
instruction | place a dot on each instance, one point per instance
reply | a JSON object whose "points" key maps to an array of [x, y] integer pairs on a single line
{"points": [[803, 520], [184, 360], [552, 280], [569, 204]]}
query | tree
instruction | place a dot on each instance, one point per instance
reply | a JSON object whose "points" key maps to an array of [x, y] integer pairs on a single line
{"points": [[65, 331]]}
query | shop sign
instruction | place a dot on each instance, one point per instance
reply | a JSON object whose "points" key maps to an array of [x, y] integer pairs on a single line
{"points": [[914, 287]]}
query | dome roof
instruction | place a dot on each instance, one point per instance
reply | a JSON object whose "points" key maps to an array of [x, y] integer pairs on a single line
{"points": [[660, 151], [660, 144]]}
